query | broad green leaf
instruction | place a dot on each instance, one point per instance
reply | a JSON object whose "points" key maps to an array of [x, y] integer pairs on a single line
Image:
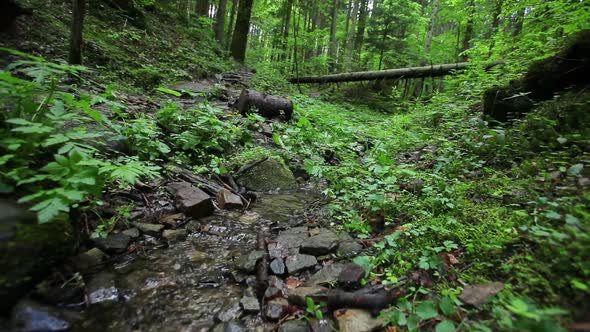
{"points": [[169, 91], [445, 326], [49, 209], [447, 306], [575, 170], [413, 321], [426, 310], [365, 262]]}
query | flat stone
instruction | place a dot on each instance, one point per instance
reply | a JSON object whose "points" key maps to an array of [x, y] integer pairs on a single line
{"points": [[150, 229], [356, 320], [89, 260], [328, 275], [324, 325], [351, 275], [190, 200], [479, 294], [349, 248], [132, 232], [113, 243], [228, 200], [276, 309], [266, 129], [249, 217], [30, 316], [247, 263], [299, 262], [232, 326], [229, 313], [286, 244], [175, 234], [299, 295], [323, 243], [266, 175], [294, 326], [250, 304], [272, 293], [277, 266]]}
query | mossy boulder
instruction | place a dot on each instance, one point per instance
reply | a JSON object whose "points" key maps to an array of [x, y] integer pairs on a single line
{"points": [[265, 175], [28, 250]]}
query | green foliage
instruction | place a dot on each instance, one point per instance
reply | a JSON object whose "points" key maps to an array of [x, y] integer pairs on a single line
{"points": [[49, 156]]}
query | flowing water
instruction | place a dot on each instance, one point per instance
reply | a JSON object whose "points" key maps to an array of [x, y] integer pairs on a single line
{"points": [[180, 287]]}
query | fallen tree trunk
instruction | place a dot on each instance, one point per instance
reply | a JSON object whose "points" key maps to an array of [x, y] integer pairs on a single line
{"points": [[268, 106], [410, 72]]}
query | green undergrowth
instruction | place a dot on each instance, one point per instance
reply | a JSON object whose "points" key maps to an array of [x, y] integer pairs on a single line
{"points": [[139, 48], [445, 196]]}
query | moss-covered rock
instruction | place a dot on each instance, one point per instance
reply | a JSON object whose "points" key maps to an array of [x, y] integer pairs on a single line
{"points": [[28, 250], [265, 175]]}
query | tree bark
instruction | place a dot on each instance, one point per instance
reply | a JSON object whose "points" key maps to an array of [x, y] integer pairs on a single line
{"points": [[202, 8], [362, 24], [230, 28], [410, 72], [468, 31], [220, 21], [78, 10], [333, 41], [240, 37]]}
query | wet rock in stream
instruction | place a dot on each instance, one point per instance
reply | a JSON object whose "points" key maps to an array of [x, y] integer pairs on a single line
{"points": [[230, 312], [174, 234], [102, 289], [132, 232], [90, 260], [247, 263], [228, 200], [29, 316], [299, 262], [266, 175], [229, 327], [113, 243], [150, 229], [294, 326], [276, 309], [323, 243], [192, 201], [250, 304], [277, 266]]}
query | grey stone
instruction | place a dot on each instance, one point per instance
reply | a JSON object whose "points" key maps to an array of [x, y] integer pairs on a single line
{"points": [[228, 200], [321, 244], [30, 316], [229, 313], [351, 275], [277, 266], [356, 320], [132, 232], [174, 234], [294, 326], [266, 175], [299, 262], [324, 325], [276, 309], [266, 129], [190, 200], [272, 293], [247, 263], [327, 275], [250, 304], [286, 244], [349, 248], [113, 243], [232, 326], [102, 289], [90, 260], [299, 295], [150, 229]]}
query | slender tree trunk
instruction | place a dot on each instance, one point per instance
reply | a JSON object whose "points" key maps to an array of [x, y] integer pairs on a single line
{"points": [[362, 24], [220, 21], [468, 31], [78, 11], [288, 6], [495, 24], [428, 44], [202, 8], [240, 37], [518, 22], [230, 28], [333, 41], [350, 35]]}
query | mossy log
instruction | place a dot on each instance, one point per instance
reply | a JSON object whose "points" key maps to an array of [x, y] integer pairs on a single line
{"points": [[410, 72], [267, 106]]}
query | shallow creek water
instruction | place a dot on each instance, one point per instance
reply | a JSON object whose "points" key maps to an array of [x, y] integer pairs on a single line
{"points": [[180, 287]]}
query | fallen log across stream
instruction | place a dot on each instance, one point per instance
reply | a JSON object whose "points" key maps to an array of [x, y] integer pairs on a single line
{"points": [[409, 72]]}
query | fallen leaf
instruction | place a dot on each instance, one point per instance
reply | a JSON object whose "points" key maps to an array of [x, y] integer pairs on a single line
{"points": [[476, 295]]}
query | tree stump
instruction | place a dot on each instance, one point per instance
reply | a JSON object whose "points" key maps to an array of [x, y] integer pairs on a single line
{"points": [[267, 106]]}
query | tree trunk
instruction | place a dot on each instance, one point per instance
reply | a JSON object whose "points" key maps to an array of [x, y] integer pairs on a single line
{"points": [[286, 27], [350, 34], [410, 72], [362, 24], [240, 37], [78, 10], [518, 22], [220, 21], [428, 44], [230, 28], [468, 31], [333, 41], [202, 8], [495, 24]]}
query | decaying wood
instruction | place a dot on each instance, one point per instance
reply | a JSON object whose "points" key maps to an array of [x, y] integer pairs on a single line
{"points": [[410, 72], [382, 299], [206, 185], [261, 265], [267, 106]]}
